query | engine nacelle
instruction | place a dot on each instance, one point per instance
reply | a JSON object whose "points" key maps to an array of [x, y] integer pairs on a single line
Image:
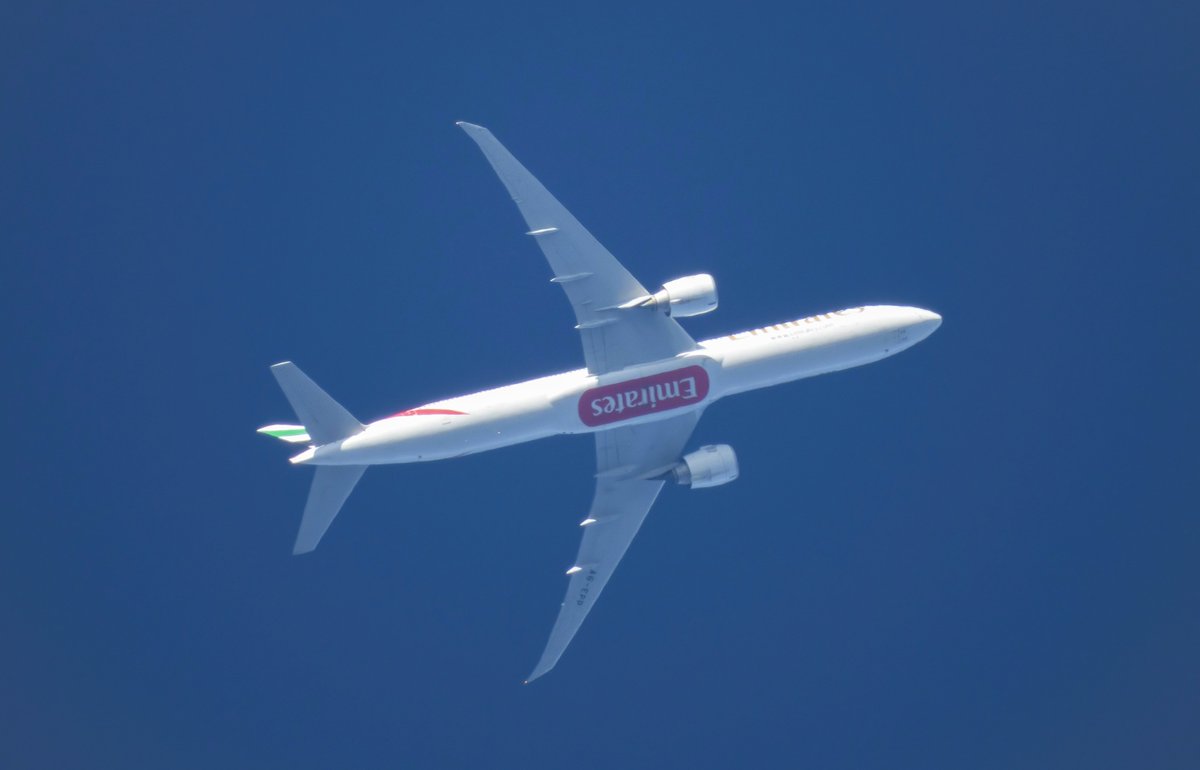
{"points": [[708, 466], [687, 296]]}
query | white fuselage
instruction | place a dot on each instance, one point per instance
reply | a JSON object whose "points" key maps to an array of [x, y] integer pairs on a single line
{"points": [[579, 402]]}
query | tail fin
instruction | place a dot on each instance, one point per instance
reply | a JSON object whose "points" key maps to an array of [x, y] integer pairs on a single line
{"points": [[293, 434], [330, 487], [325, 419]]}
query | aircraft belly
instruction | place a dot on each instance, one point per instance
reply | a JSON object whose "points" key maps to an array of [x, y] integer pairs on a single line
{"points": [[764, 363], [440, 438], [580, 403]]}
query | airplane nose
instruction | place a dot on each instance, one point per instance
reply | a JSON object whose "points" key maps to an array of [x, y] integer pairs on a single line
{"points": [[927, 322]]}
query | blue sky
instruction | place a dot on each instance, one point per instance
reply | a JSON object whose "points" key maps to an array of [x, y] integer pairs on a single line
{"points": [[979, 553]]}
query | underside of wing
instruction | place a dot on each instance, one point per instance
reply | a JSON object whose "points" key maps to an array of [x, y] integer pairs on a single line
{"points": [[596, 284], [624, 457]]}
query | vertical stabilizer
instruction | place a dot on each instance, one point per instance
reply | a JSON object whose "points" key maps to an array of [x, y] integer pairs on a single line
{"points": [[331, 485]]}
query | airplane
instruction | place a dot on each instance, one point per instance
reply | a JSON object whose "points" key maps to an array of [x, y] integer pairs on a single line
{"points": [[644, 387]]}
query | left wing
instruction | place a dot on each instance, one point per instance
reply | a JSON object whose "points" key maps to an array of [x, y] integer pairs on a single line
{"points": [[624, 457], [595, 282]]}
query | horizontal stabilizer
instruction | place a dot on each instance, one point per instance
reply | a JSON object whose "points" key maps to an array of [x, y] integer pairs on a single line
{"points": [[325, 419], [294, 434], [331, 485]]}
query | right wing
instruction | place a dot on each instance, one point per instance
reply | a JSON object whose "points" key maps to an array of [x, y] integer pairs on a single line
{"points": [[595, 282], [624, 456]]}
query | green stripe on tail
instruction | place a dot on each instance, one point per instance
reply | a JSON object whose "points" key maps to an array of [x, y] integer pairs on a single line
{"points": [[294, 434]]}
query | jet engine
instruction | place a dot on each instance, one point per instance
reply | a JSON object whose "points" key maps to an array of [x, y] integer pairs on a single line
{"points": [[687, 296], [708, 466]]}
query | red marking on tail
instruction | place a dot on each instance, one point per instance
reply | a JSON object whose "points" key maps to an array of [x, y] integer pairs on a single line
{"points": [[414, 412]]}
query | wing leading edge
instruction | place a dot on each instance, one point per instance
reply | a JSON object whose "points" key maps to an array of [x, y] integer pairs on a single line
{"points": [[595, 282], [622, 500]]}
